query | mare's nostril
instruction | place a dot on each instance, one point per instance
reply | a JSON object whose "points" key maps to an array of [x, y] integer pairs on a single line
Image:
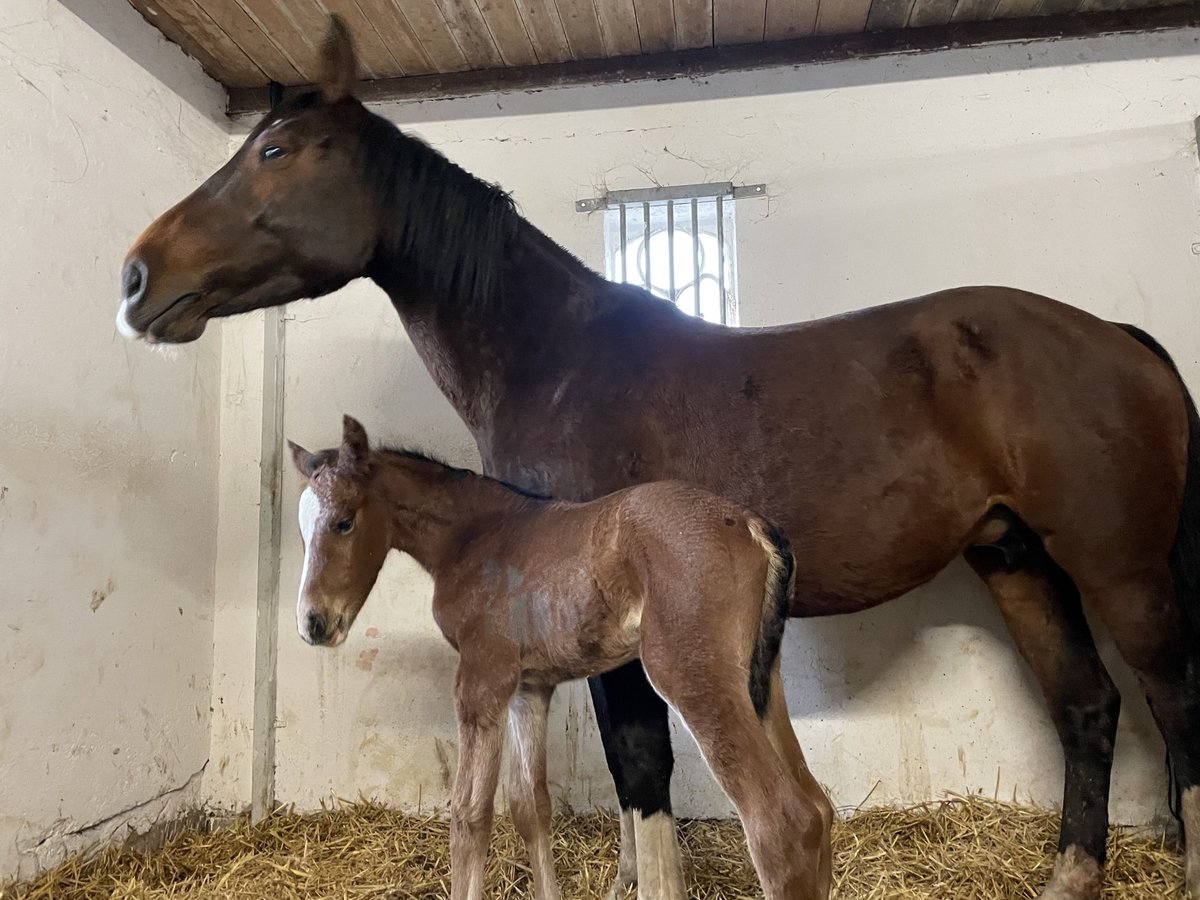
{"points": [[315, 623], [133, 281]]}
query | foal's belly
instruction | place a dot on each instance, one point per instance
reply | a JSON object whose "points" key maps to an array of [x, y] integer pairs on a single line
{"points": [[600, 644]]}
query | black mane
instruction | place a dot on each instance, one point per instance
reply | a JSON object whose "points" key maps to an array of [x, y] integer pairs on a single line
{"points": [[452, 230]]}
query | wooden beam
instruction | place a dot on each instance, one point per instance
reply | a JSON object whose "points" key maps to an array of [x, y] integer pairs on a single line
{"points": [[709, 61]]}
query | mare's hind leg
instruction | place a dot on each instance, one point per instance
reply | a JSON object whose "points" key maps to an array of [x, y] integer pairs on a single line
{"points": [[528, 795], [1041, 607], [786, 831], [636, 736], [1149, 630]]}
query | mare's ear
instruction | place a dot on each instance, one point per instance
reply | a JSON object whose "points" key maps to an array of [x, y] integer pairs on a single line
{"points": [[352, 455], [339, 66], [307, 463]]}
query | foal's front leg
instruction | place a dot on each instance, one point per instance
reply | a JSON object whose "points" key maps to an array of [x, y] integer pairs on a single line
{"points": [[480, 697], [529, 797]]}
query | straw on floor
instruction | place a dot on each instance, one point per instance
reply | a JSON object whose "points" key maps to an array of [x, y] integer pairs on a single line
{"points": [[966, 848]]}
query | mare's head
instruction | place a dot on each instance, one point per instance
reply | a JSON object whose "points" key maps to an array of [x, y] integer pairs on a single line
{"points": [[345, 527], [322, 191]]}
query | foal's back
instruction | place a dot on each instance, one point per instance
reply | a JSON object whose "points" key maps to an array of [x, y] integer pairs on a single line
{"points": [[567, 586]]}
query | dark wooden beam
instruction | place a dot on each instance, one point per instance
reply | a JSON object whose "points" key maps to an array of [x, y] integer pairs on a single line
{"points": [[711, 60]]}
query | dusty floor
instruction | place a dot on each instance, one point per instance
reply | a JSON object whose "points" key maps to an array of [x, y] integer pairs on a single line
{"points": [[966, 849]]}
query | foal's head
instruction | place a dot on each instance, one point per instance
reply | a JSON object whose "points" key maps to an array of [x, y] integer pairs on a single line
{"points": [[345, 527]]}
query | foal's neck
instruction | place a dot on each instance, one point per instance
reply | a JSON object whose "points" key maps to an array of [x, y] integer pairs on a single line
{"points": [[436, 510]]}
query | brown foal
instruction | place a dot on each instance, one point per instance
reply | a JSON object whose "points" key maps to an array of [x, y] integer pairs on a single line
{"points": [[533, 592]]}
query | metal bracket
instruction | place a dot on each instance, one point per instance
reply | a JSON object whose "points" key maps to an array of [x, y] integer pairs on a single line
{"points": [[710, 191]]}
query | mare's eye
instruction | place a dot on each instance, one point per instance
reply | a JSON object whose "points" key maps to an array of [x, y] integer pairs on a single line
{"points": [[272, 151], [344, 526]]}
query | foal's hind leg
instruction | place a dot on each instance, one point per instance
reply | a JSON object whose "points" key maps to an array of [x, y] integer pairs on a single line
{"points": [[1041, 607], [1148, 628], [786, 831], [783, 738], [528, 795]]}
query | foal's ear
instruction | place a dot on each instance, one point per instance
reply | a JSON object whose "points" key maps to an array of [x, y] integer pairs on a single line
{"points": [[339, 67], [306, 462], [352, 455]]}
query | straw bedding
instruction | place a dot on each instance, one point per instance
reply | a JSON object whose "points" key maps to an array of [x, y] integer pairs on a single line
{"points": [[964, 847]]}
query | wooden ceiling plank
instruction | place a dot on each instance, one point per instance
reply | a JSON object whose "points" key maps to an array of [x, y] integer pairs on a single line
{"points": [[973, 10], [656, 25], [470, 31], [240, 70], [886, 14], [582, 25], [283, 32], [1099, 5], [738, 21], [618, 25], [790, 19], [232, 18], [1054, 7], [429, 26], [398, 35], [709, 61], [545, 30], [694, 23], [842, 16], [926, 13], [1015, 9], [508, 31], [152, 12]]}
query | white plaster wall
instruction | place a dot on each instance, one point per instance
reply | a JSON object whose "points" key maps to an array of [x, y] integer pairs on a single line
{"points": [[1068, 169], [108, 472]]}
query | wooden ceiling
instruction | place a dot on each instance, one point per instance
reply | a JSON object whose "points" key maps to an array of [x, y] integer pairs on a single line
{"points": [[247, 44]]}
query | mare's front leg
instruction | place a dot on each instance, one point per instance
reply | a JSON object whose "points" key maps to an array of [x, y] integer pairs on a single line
{"points": [[481, 696], [636, 735], [529, 797]]}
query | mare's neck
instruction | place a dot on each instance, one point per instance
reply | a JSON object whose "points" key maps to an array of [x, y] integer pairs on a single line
{"points": [[527, 334], [435, 511]]}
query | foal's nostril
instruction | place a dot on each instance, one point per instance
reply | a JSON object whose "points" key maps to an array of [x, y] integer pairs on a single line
{"points": [[315, 623], [133, 281]]}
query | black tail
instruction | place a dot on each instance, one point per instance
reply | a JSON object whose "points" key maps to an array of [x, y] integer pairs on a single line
{"points": [[777, 594], [1184, 560]]}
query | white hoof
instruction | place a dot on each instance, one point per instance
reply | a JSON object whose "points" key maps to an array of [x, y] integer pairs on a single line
{"points": [[1076, 876], [627, 874], [659, 865]]}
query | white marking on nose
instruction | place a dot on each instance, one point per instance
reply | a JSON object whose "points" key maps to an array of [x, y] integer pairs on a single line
{"points": [[123, 325], [310, 511]]}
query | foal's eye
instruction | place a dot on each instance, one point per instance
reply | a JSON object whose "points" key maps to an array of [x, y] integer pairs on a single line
{"points": [[272, 151], [344, 526]]}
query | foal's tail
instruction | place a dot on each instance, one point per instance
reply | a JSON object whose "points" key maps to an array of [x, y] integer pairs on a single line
{"points": [[781, 578], [1184, 560]]}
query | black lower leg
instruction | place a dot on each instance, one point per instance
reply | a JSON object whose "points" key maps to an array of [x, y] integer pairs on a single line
{"points": [[637, 740], [1087, 730]]}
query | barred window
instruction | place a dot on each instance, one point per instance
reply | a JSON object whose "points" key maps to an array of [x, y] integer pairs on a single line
{"points": [[677, 242]]}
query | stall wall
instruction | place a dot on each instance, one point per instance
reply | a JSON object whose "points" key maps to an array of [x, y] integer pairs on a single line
{"points": [[1066, 168], [108, 452]]}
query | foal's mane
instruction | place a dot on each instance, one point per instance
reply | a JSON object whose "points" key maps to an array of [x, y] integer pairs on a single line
{"points": [[407, 453]]}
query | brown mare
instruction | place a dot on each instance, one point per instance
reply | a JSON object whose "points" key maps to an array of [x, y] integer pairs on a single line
{"points": [[534, 592], [1059, 453]]}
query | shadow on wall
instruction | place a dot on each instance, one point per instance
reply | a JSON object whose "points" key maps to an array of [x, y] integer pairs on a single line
{"points": [[128, 32]]}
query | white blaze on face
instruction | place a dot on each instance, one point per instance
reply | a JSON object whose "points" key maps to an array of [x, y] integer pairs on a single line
{"points": [[310, 511]]}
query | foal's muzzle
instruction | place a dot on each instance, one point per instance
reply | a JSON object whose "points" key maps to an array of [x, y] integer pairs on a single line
{"points": [[318, 631]]}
